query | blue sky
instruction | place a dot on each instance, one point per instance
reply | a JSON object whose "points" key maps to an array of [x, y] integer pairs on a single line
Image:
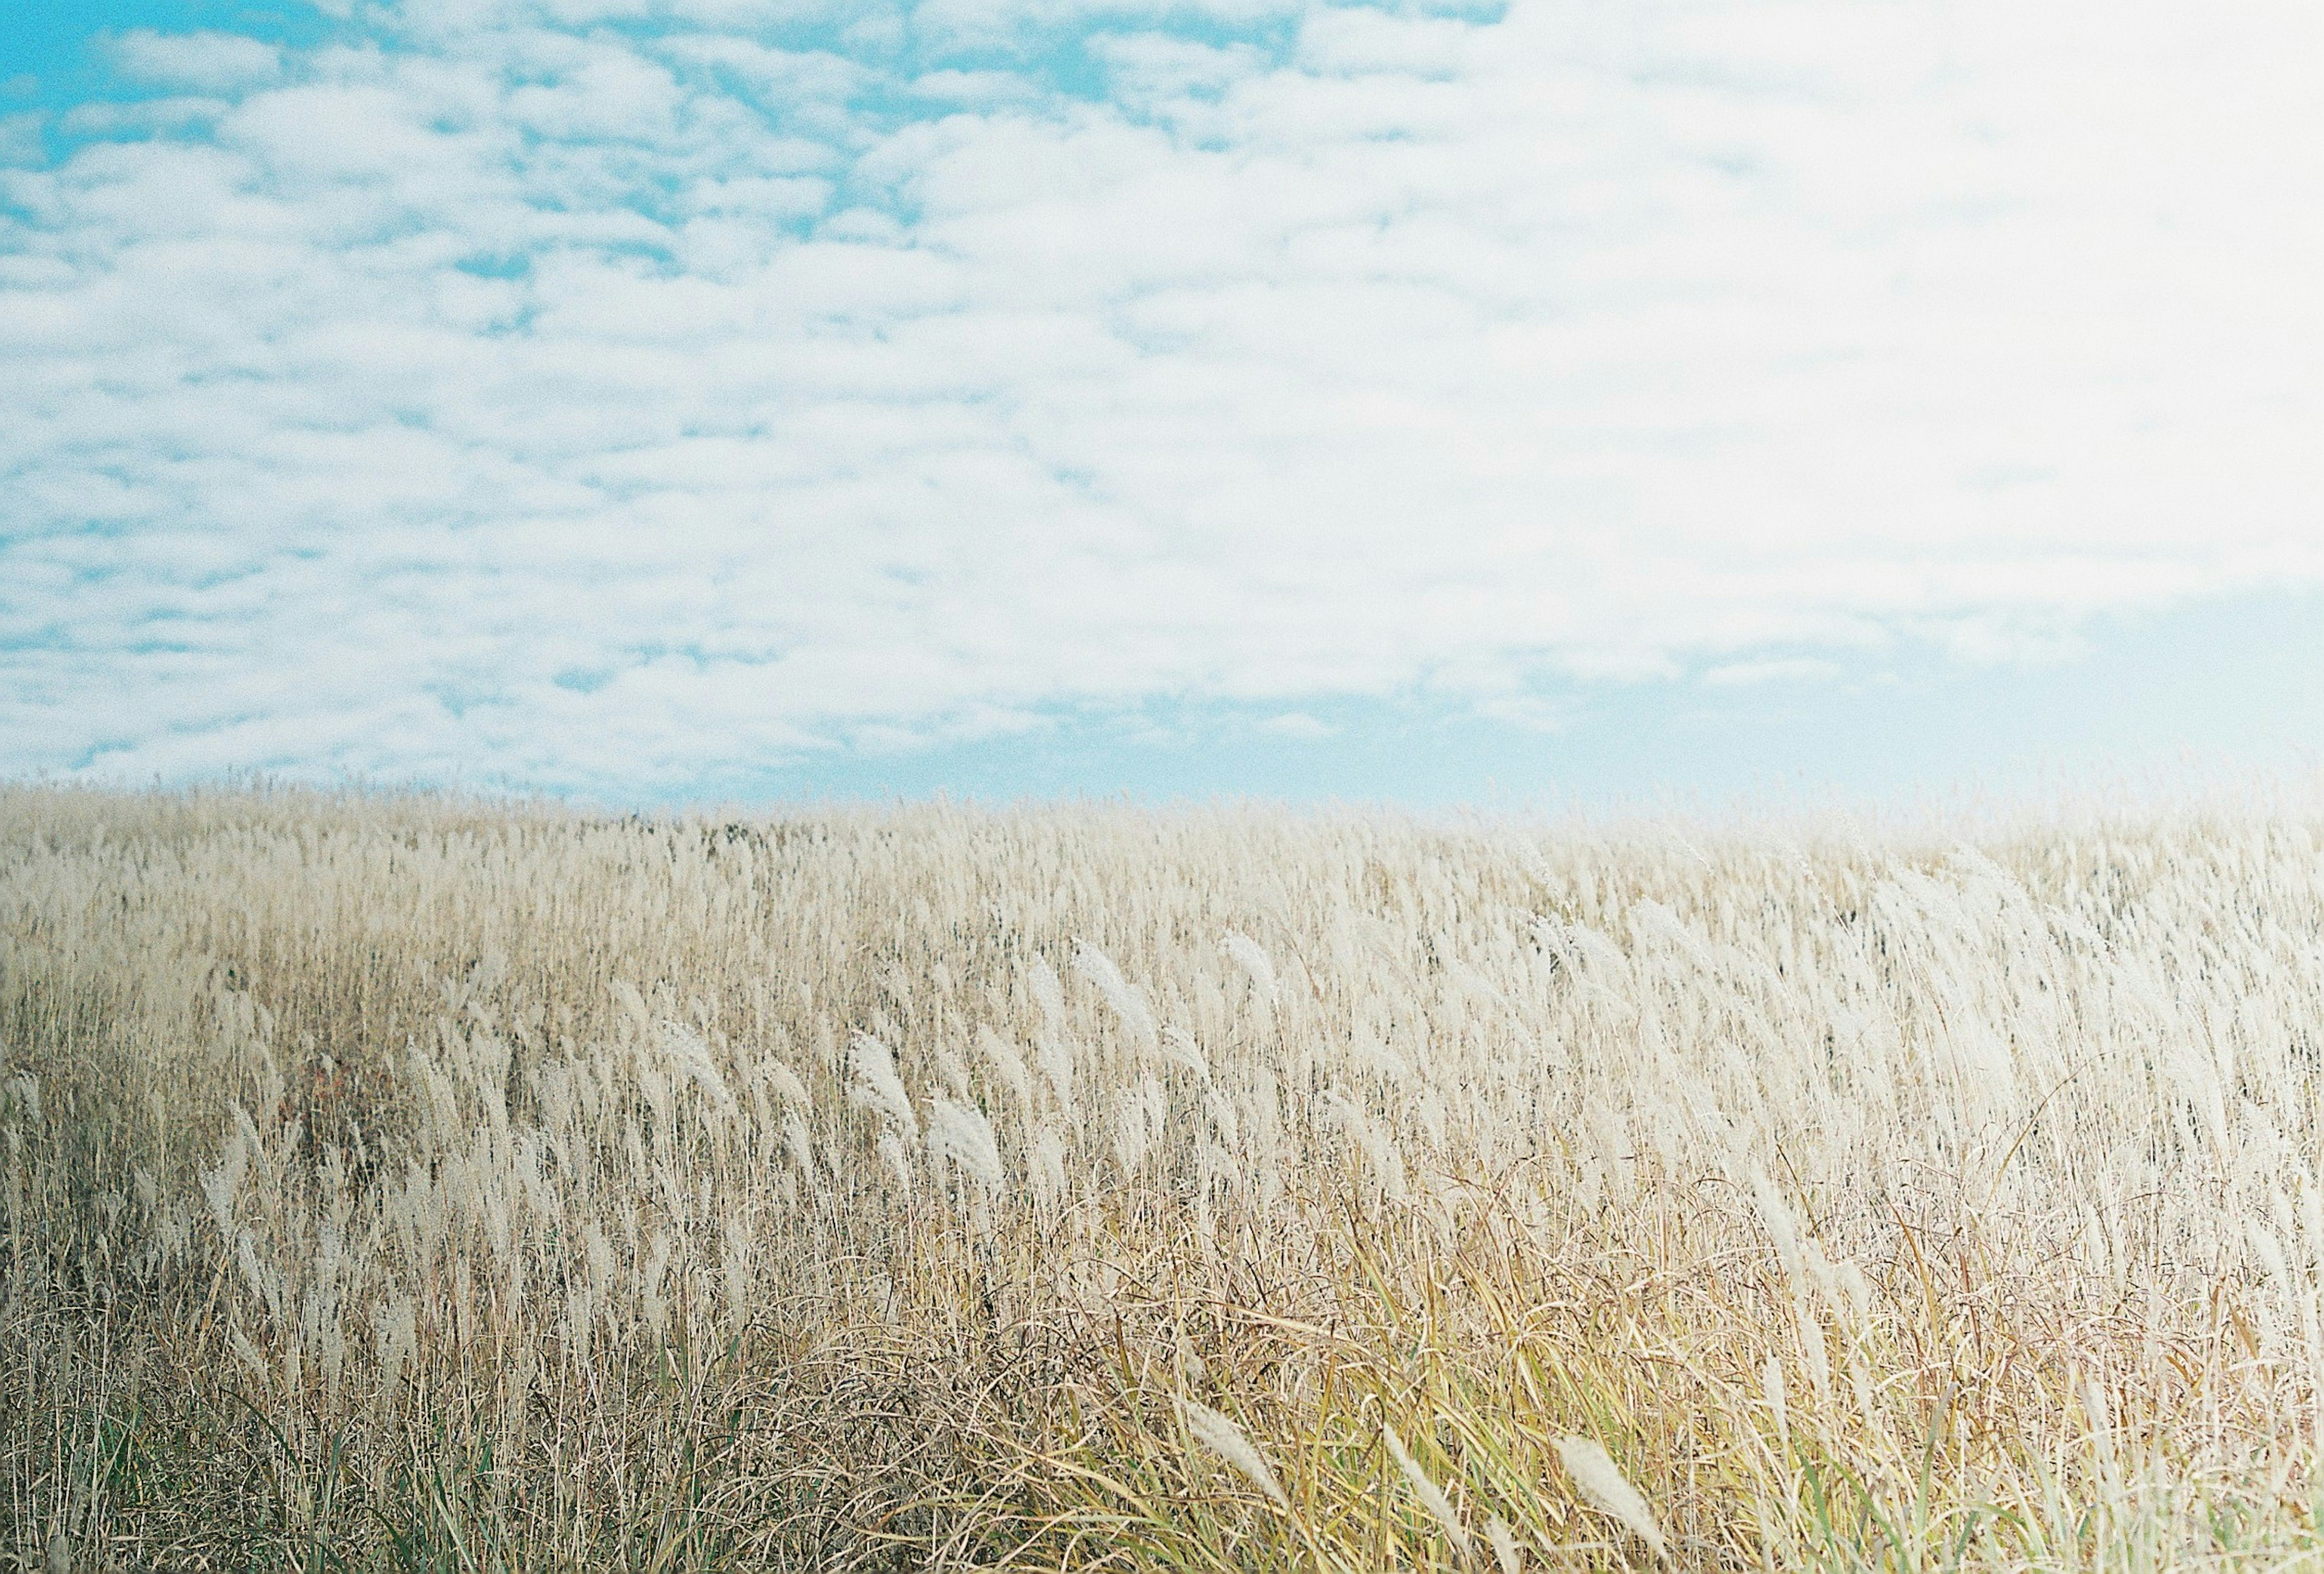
{"points": [[650, 399]]}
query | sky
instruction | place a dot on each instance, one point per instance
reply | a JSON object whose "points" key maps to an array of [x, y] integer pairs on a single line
{"points": [[654, 400]]}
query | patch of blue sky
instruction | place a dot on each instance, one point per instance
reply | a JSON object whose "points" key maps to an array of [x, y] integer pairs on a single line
{"points": [[499, 266], [94, 757], [32, 637], [2234, 685], [58, 55], [65, 83]]}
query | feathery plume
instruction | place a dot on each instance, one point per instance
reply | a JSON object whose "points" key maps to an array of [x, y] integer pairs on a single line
{"points": [[685, 1046], [875, 1085], [801, 1145], [1128, 1004], [1007, 1064], [1130, 1138], [786, 1083], [1607, 1490], [961, 1136], [1044, 1167], [633, 1005], [952, 1072], [1246, 954], [1373, 1053], [1223, 1437], [222, 1185], [897, 1157], [1781, 1230], [1377, 1147], [1056, 1065], [1432, 1496], [1138, 1117], [1505, 1545], [1180, 1049], [1041, 982]]}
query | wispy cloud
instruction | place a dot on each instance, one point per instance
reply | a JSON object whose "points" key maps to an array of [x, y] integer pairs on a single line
{"points": [[1298, 725], [205, 62], [611, 392], [1775, 669]]}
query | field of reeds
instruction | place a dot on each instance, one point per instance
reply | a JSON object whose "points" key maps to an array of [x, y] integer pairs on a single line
{"points": [[405, 1183]]}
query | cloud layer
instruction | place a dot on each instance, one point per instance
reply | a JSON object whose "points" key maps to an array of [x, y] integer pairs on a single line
{"points": [[596, 393]]}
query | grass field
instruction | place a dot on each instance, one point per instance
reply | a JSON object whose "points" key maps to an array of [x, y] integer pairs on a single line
{"points": [[402, 1182]]}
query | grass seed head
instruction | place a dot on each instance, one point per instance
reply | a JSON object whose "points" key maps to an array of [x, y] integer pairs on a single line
{"points": [[1505, 1545], [1220, 1434], [959, 1136], [1432, 1496], [1605, 1488], [875, 1085]]}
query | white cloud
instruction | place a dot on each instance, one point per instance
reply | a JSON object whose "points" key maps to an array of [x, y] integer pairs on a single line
{"points": [[1773, 670], [20, 137], [974, 89], [1148, 70], [141, 117], [514, 394], [212, 62]]}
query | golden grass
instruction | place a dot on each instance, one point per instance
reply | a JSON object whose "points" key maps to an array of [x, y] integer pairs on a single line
{"points": [[417, 1183]]}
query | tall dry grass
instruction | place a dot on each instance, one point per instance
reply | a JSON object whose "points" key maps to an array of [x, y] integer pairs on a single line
{"points": [[406, 1182]]}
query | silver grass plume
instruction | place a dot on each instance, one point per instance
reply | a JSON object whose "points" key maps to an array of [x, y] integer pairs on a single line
{"points": [[897, 1157], [685, 1046], [873, 1084], [1056, 1063], [1781, 1227], [1130, 1138], [1607, 1490], [801, 1145], [1044, 1167], [222, 1185], [1505, 1545], [1221, 1436], [633, 1005], [1223, 1119], [1128, 1004], [1368, 1052], [786, 1083], [1432, 1496], [961, 1136], [25, 1089], [1180, 1049], [396, 1326], [1041, 981], [952, 1072], [1007, 1064], [1379, 1148], [1246, 954], [1137, 1117]]}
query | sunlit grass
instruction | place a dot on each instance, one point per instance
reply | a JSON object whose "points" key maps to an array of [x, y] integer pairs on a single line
{"points": [[410, 1183]]}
